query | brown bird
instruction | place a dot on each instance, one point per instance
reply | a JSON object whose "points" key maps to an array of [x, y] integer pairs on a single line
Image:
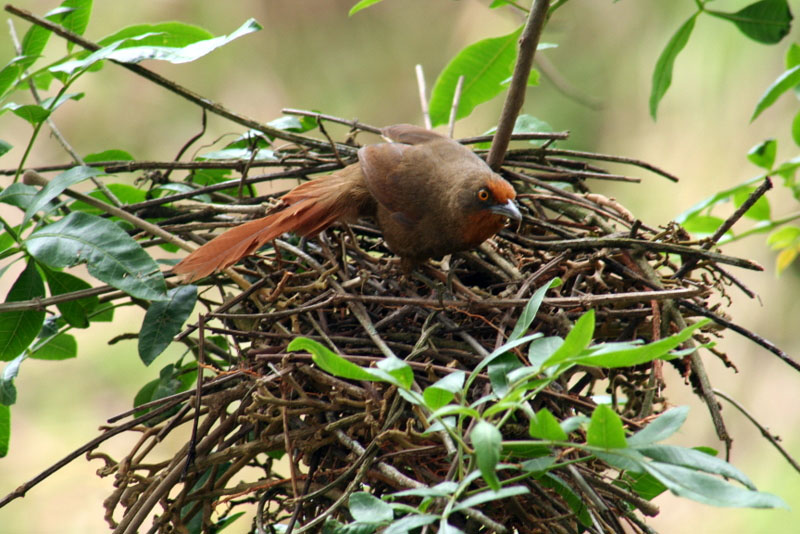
{"points": [[430, 195]]}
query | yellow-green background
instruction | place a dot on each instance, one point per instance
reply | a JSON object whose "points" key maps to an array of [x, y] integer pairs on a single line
{"points": [[311, 55]]}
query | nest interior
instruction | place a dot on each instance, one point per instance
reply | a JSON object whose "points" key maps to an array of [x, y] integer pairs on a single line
{"points": [[259, 402]]}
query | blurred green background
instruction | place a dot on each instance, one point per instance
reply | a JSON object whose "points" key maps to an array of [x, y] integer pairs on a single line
{"points": [[311, 55]]}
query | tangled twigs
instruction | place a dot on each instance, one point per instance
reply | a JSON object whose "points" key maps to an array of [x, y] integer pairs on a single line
{"points": [[258, 401]]}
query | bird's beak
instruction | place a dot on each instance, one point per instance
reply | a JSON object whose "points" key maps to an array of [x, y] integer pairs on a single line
{"points": [[509, 209]]}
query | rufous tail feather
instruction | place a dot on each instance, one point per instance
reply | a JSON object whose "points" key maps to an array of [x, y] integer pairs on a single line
{"points": [[311, 207]]}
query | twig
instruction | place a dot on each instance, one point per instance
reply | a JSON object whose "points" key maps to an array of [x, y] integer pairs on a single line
{"points": [[725, 226], [528, 42], [34, 178], [423, 97], [330, 118], [599, 157], [764, 431], [742, 331], [451, 123]]}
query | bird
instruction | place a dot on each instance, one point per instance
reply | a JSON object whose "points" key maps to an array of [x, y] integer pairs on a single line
{"points": [[429, 195]]}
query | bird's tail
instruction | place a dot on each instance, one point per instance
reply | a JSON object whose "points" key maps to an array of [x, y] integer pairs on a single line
{"points": [[310, 208]]}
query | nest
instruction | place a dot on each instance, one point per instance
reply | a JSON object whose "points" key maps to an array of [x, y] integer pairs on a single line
{"points": [[268, 431]]}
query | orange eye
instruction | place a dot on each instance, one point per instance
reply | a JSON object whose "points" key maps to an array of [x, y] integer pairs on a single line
{"points": [[483, 194]]}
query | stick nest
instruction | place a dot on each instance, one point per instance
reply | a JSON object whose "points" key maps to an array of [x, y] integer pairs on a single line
{"points": [[276, 435]]}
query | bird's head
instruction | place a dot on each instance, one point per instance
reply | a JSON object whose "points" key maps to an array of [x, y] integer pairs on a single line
{"points": [[487, 201]]}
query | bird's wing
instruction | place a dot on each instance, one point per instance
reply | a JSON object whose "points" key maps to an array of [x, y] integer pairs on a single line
{"points": [[389, 179], [410, 134]]}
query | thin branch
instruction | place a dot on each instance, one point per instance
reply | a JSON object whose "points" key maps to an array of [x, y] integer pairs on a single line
{"points": [[423, 97], [725, 226], [34, 178], [451, 123], [764, 430], [528, 42]]}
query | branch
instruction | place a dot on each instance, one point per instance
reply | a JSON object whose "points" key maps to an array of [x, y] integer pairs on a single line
{"points": [[528, 42]]}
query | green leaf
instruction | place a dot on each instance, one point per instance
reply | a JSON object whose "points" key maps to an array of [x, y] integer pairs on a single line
{"points": [[541, 349], [140, 52], [442, 489], [395, 371], [707, 489], [32, 113], [329, 361], [487, 442], [262, 154], [576, 341], [77, 19], [127, 194], [108, 155], [368, 509], [490, 495], [644, 485], [8, 392], [696, 460], [111, 255], [5, 429], [19, 195], [18, 329], [499, 371], [531, 308], [33, 43], [784, 237], [662, 75], [785, 81], [74, 312], [293, 123], [523, 124], [363, 4], [611, 356], [763, 154], [164, 320], [546, 426], [661, 428], [410, 523], [767, 21], [443, 391], [605, 429], [702, 225], [57, 185], [4, 147], [60, 347], [573, 500], [796, 129], [484, 66], [169, 34]]}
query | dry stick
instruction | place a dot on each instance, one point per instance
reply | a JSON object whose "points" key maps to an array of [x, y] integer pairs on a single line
{"points": [[724, 227], [117, 166], [589, 243], [423, 97], [742, 331], [528, 42], [599, 157], [24, 488], [451, 124], [34, 178], [331, 118], [671, 314], [136, 515], [589, 301], [292, 173], [764, 431]]}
